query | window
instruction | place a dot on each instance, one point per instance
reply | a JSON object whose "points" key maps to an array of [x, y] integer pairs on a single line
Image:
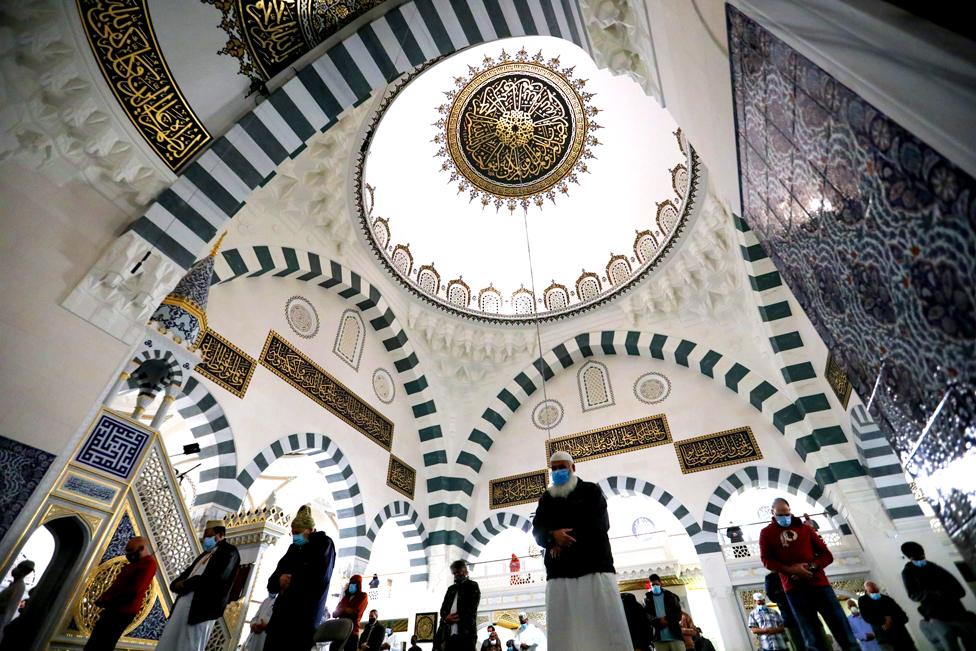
{"points": [[349, 339], [594, 386]]}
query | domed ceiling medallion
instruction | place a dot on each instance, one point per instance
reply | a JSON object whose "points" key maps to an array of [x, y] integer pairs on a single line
{"points": [[517, 130]]}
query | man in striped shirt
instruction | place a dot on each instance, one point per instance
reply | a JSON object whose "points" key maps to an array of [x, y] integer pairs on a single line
{"points": [[767, 624]]}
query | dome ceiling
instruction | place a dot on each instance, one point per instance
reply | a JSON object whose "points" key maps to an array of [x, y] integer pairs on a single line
{"points": [[455, 194]]}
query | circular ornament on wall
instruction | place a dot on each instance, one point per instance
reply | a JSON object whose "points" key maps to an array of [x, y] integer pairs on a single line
{"points": [[302, 317], [643, 528], [652, 388], [547, 414], [383, 385]]}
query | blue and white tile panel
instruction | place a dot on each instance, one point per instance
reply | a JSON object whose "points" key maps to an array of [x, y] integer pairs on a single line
{"points": [[187, 215], [413, 530], [883, 466]]}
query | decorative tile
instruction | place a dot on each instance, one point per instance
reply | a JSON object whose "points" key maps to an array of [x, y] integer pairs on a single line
{"points": [[225, 364], [401, 477], [21, 470], [838, 381], [114, 445], [652, 388], [78, 488], [124, 532], [302, 317], [614, 439], [424, 626], [526, 488], [717, 450]]}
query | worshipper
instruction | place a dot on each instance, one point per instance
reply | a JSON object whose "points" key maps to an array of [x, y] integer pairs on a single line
{"points": [[302, 579], [351, 607], [121, 601], [458, 627], [374, 632], [255, 641], [513, 568], [862, 629], [775, 594], [638, 625], [689, 632], [810, 522], [413, 644], [491, 643], [510, 644], [767, 625], [583, 607], [799, 555], [13, 594], [528, 637], [886, 618], [203, 589], [939, 594], [664, 610], [374, 582]]}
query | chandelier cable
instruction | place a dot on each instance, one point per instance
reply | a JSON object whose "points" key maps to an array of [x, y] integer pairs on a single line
{"points": [[535, 312]]}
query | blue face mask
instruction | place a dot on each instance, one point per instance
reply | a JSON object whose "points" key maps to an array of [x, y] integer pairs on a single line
{"points": [[762, 606], [522, 627], [298, 539], [920, 563], [209, 543], [656, 589], [352, 588], [784, 520], [561, 476], [874, 595]]}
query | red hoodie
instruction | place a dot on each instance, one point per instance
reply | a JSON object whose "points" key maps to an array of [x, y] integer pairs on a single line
{"points": [[352, 606], [127, 591], [780, 547]]}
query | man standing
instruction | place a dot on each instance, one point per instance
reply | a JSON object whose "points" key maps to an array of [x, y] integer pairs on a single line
{"points": [[663, 607], [776, 595], [583, 607], [121, 601], [767, 625], [374, 582], [886, 618], [371, 639], [301, 579], [939, 594], [203, 589], [13, 594], [528, 637], [413, 644], [492, 642], [863, 631], [458, 630], [799, 555]]}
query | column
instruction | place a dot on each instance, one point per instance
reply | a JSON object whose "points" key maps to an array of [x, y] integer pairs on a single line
{"points": [[113, 391], [733, 634], [168, 400]]}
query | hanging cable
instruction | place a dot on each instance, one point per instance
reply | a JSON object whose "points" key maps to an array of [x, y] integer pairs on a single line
{"points": [[535, 312]]}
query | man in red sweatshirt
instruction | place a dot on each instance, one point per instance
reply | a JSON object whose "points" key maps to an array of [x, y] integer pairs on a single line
{"points": [[799, 555], [122, 600]]}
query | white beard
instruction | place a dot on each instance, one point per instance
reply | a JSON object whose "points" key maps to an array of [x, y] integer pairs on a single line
{"points": [[565, 489]]}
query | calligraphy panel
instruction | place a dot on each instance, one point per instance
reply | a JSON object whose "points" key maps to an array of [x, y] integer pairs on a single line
{"points": [[614, 439], [517, 489], [401, 477], [225, 364], [114, 445], [121, 36], [292, 366], [838, 381], [716, 450]]}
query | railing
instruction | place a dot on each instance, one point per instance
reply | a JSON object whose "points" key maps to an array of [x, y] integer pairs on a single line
{"points": [[749, 549]]}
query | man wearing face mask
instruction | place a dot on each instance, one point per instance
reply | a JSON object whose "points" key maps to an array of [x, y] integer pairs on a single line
{"points": [[529, 637], [458, 629], [491, 643], [767, 625], [122, 600], [863, 631], [203, 589], [663, 608], [939, 595], [799, 555], [886, 618], [583, 607], [373, 633], [302, 579]]}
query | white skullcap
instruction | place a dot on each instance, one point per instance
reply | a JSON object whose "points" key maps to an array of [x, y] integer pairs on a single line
{"points": [[560, 455], [756, 596], [522, 614]]}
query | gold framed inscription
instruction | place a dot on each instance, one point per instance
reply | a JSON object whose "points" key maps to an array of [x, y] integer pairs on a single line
{"points": [[517, 489], [614, 439], [401, 477], [837, 379], [716, 450], [225, 364]]}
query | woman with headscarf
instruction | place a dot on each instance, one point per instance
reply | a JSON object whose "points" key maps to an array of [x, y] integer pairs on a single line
{"points": [[351, 607]]}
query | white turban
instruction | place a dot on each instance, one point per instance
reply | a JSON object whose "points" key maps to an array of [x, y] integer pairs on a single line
{"points": [[756, 596], [560, 455]]}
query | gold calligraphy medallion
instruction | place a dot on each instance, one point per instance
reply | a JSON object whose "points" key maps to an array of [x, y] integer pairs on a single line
{"points": [[517, 130]]}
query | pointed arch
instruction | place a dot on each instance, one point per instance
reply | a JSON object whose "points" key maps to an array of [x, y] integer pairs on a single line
{"points": [[211, 429], [491, 527], [413, 530]]}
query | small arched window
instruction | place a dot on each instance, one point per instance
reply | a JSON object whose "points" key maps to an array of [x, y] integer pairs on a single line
{"points": [[645, 246], [618, 270], [349, 338], [667, 217], [594, 386]]}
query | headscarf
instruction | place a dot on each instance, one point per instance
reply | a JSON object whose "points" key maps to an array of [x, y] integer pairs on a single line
{"points": [[303, 519]]}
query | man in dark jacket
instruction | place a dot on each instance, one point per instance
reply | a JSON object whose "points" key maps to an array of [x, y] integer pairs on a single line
{"points": [[637, 623], [203, 589], [799, 555], [301, 579], [664, 610], [373, 633], [939, 594], [886, 618], [776, 595], [458, 628], [122, 600], [583, 608]]}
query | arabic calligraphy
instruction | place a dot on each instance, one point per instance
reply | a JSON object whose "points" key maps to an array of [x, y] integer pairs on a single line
{"points": [[225, 364], [517, 489], [614, 439], [838, 381], [401, 477], [121, 36], [716, 450], [288, 363]]}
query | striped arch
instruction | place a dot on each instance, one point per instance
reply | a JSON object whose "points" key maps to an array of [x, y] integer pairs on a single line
{"points": [[883, 466], [785, 415], [764, 477], [286, 262], [334, 465], [186, 216], [491, 527], [623, 485], [412, 528], [174, 372]]}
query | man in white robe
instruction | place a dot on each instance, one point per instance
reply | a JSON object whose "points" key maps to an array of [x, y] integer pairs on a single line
{"points": [[583, 607], [528, 637]]}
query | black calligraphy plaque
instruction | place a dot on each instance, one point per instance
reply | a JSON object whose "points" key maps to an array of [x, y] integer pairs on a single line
{"points": [[614, 439], [716, 450], [292, 366], [517, 489], [225, 364], [838, 381], [121, 36], [401, 477]]}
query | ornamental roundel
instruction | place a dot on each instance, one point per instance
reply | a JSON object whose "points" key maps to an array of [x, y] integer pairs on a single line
{"points": [[547, 414], [302, 317], [516, 130], [652, 388]]}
